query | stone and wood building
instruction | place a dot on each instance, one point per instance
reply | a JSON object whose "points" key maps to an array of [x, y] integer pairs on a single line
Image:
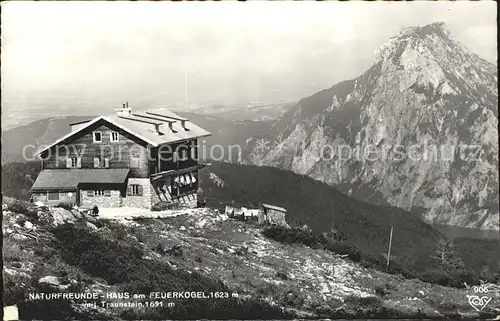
{"points": [[133, 159]]}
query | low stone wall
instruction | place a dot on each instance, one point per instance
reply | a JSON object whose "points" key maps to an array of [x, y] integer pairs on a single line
{"points": [[115, 200], [276, 218]]}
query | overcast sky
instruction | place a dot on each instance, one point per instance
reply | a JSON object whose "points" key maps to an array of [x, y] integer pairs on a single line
{"points": [[225, 52]]}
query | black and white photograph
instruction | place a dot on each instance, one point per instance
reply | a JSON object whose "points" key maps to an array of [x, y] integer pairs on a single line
{"points": [[250, 160]]}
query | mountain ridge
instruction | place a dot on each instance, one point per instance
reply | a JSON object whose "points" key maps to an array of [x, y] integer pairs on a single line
{"points": [[425, 91]]}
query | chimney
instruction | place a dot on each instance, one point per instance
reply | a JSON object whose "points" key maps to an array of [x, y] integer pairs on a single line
{"points": [[124, 111]]}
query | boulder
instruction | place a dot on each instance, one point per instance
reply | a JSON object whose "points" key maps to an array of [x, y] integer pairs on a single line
{"points": [[61, 216], [53, 281], [91, 226]]}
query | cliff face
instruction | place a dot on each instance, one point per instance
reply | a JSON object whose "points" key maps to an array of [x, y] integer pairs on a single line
{"points": [[417, 130]]}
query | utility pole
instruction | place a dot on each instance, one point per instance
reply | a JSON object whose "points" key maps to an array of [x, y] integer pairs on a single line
{"points": [[389, 251]]}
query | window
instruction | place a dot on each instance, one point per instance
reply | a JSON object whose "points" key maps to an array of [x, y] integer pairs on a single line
{"points": [[134, 162], [53, 196], [97, 137], [98, 192], [135, 190], [97, 162], [114, 136], [101, 163], [73, 162]]}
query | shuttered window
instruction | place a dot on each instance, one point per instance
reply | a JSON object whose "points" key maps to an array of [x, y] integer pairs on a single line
{"points": [[135, 190], [107, 192], [114, 137], [90, 193], [73, 162]]}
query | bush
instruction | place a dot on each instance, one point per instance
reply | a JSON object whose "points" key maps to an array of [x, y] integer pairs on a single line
{"points": [[454, 279], [344, 249], [435, 276], [381, 291], [307, 237], [25, 208], [282, 275]]}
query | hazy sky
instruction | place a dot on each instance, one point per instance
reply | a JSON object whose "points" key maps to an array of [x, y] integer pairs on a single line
{"points": [[109, 52]]}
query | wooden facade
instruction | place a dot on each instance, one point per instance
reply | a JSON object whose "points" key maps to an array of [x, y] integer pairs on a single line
{"points": [[167, 172], [127, 152]]}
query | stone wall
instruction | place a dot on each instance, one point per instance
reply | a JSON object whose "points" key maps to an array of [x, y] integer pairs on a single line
{"points": [[141, 201], [276, 218], [114, 200], [64, 197]]}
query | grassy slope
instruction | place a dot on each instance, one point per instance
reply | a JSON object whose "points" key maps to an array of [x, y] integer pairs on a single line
{"points": [[138, 257], [320, 207]]}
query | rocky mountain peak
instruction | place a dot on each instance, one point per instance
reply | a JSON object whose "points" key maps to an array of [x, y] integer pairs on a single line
{"points": [[434, 29], [432, 42], [423, 87]]}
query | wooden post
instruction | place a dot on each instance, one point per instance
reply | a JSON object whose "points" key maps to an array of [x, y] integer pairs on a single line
{"points": [[389, 251]]}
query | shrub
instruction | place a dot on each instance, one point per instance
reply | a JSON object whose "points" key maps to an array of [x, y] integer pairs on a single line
{"points": [[307, 237], [454, 279], [25, 208], [282, 275], [344, 249], [435, 276], [381, 291]]}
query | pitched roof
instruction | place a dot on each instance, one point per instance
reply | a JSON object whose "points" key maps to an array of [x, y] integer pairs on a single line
{"points": [[70, 178], [154, 128], [276, 208]]}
